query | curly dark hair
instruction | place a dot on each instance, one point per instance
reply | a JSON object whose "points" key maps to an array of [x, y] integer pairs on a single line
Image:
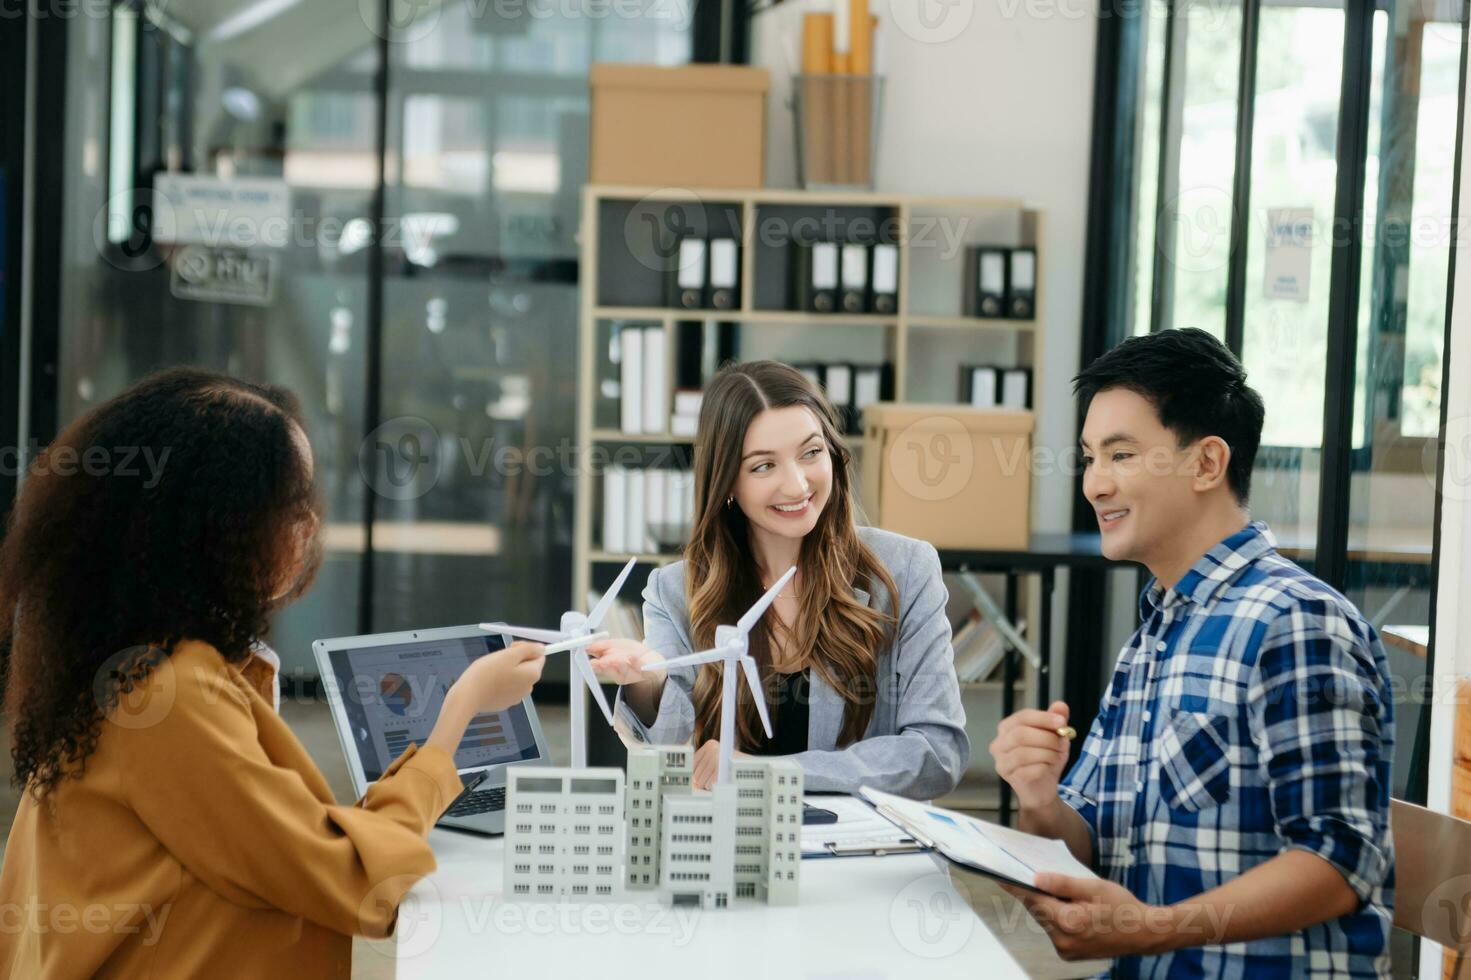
{"points": [[170, 513]]}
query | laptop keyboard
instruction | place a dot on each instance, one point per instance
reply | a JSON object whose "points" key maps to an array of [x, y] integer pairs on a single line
{"points": [[481, 801]]}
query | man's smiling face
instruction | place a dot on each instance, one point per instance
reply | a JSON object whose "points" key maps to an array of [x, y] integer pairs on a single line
{"points": [[1137, 477]]}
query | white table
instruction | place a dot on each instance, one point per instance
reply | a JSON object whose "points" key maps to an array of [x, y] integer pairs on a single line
{"points": [[868, 917]]}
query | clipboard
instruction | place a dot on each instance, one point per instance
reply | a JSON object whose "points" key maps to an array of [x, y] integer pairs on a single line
{"points": [[1003, 853], [858, 832]]}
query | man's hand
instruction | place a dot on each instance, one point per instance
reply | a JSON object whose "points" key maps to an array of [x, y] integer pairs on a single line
{"points": [[1090, 918], [1030, 755], [707, 764]]}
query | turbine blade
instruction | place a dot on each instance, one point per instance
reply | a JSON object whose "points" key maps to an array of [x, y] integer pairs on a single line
{"points": [[606, 602], [585, 669], [754, 614], [575, 643], [703, 657], [758, 692], [525, 632]]}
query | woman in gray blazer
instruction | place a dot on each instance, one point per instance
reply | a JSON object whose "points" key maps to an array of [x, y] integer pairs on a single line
{"points": [[855, 652]]}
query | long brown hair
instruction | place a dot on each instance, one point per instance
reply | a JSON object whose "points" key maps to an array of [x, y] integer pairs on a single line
{"points": [[834, 633], [191, 499]]}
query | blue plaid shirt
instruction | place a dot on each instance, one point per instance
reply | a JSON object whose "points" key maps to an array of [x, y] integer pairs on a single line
{"points": [[1249, 714]]}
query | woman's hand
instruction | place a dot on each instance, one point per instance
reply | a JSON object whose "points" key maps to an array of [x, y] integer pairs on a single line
{"points": [[622, 661], [707, 764], [491, 683], [501, 679]]}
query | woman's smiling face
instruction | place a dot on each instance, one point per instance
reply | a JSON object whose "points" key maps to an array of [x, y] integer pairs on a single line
{"points": [[786, 473]]}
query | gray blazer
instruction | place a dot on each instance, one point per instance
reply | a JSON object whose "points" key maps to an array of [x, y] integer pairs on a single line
{"points": [[915, 745]]}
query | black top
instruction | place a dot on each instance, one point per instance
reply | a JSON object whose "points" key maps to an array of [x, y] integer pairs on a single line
{"points": [[788, 707]]}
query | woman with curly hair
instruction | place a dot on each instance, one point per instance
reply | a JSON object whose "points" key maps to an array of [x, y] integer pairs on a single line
{"points": [[854, 653], [172, 825]]}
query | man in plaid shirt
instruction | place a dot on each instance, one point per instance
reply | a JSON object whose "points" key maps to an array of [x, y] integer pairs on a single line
{"points": [[1233, 793]]}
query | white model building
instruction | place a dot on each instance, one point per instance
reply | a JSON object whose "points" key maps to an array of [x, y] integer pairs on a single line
{"points": [[768, 829], [566, 828], [681, 844], [697, 848], [564, 833], [654, 772]]}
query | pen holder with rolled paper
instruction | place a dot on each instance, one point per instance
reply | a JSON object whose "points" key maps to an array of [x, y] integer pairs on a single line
{"points": [[836, 119]]}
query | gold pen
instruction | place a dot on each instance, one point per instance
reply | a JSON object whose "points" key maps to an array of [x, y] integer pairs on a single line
{"points": [[1068, 732]]}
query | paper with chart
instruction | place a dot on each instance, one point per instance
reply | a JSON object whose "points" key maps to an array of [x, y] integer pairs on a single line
{"points": [[995, 850], [858, 826]]}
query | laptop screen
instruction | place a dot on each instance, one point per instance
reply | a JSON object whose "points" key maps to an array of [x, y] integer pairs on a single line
{"points": [[392, 695]]}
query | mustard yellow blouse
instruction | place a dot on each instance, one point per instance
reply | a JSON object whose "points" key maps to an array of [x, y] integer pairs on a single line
{"points": [[202, 840]]}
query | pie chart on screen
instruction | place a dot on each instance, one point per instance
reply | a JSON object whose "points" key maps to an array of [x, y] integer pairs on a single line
{"points": [[397, 695]]}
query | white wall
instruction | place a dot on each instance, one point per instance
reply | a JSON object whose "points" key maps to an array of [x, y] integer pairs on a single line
{"points": [[993, 99]]}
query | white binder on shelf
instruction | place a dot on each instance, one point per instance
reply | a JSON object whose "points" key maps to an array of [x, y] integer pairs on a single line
{"points": [[636, 528], [840, 385], [656, 380], [1016, 386], [868, 387], [840, 392], [673, 513], [687, 401], [690, 278], [855, 278], [615, 508], [724, 274], [631, 379], [885, 278], [825, 277], [687, 502], [983, 388], [1021, 284], [655, 490]]}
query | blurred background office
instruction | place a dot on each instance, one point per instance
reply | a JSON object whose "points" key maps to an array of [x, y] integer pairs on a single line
{"points": [[1280, 172]]}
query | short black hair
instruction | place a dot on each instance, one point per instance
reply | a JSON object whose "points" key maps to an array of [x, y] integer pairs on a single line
{"points": [[1197, 386]]}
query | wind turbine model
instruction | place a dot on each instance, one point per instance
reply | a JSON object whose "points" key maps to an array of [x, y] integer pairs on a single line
{"points": [[576, 633], [731, 643]]}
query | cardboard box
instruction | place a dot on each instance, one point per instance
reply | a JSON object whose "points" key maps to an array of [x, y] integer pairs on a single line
{"points": [[955, 476], [688, 126]]}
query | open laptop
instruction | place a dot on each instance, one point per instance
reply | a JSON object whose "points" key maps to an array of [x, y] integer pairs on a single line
{"points": [[385, 692]]}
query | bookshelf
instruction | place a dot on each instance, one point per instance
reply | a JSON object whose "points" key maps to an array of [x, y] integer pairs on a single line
{"points": [[925, 338]]}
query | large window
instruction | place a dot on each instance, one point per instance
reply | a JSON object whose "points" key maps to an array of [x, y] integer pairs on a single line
{"points": [[1260, 131], [450, 342]]}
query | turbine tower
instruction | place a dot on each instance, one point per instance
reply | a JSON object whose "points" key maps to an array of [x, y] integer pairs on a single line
{"points": [[732, 647]]}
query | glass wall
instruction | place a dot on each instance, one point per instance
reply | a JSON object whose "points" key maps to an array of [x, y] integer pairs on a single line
{"points": [[1197, 202], [1189, 116], [1402, 316], [274, 109], [487, 137]]}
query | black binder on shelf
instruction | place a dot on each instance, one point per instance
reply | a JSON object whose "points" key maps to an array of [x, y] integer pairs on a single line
{"points": [[725, 274], [816, 373], [884, 278], [985, 282], [1016, 388], [980, 385], [1021, 283], [815, 277], [872, 383], [854, 276], [686, 281], [838, 380]]}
